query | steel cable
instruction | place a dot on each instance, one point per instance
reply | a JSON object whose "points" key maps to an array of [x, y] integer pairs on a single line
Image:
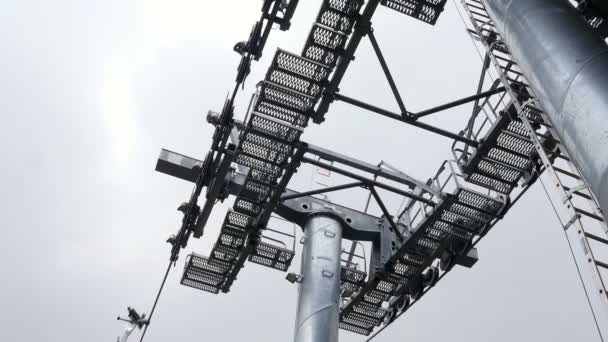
{"points": [[160, 290]]}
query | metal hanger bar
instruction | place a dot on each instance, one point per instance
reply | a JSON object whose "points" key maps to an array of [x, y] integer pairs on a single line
{"points": [[387, 72]]}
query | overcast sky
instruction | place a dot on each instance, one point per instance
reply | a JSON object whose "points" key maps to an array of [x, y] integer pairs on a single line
{"points": [[91, 90]]}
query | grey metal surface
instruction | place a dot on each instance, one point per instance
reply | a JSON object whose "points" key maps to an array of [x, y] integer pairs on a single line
{"points": [[319, 297], [177, 165], [566, 64]]}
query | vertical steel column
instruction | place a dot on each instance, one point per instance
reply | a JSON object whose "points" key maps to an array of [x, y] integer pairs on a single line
{"points": [[567, 66], [319, 297]]}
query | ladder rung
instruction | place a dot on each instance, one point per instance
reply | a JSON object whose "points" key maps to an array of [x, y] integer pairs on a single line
{"points": [[596, 238], [578, 193], [519, 82], [567, 173], [473, 32], [509, 69], [601, 264], [588, 214], [556, 155], [487, 30], [483, 15], [483, 23], [506, 60], [477, 7]]}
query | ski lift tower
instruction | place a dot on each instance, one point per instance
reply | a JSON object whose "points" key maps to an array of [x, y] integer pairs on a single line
{"points": [[539, 114]]}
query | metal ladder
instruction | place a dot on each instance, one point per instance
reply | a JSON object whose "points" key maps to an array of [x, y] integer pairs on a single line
{"points": [[573, 201]]}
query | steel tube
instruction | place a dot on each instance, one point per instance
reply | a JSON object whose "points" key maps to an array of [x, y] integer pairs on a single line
{"points": [[319, 297], [480, 95], [408, 121], [566, 64]]}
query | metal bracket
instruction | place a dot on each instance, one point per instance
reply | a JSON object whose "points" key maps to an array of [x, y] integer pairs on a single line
{"points": [[355, 224]]}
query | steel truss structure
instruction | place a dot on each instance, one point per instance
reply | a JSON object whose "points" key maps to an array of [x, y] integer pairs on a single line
{"points": [[507, 145]]}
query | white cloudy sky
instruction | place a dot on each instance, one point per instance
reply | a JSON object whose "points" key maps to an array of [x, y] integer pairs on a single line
{"points": [[91, 90]]}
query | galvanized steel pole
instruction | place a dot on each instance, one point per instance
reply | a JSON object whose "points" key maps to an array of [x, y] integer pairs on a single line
{"points": [[567, 66], [319, 297]]}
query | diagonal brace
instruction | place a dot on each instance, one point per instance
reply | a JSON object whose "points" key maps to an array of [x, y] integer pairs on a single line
{"points": [[387, 72], [473, 98], [385, 212]]}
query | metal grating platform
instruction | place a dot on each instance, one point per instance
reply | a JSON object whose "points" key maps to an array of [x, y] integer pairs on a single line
{"points": [[245, 206], [364, 322], [324, 45], [203, 274], [277, 129], [285, 97], [502, 159], [339, 15], [354, 328], [297, 73], [268, 106], [266, 149], [460, 216], [424, 10], [271, 256], [258, 187], [351, 279], [232, 237]]}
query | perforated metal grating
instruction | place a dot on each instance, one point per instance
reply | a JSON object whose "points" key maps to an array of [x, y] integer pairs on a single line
{"points": [[460, 216], [277, 111], [359, 320], [255, 162], [490, 183], [257, 187], [224, 253], [306, 68], [355, 329], [275, 128], [324, 45], [247, 207], [424, 10], [203, 274], [339, 15], [271, 256], [351, 279], [286, 98], [265, 149]]}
